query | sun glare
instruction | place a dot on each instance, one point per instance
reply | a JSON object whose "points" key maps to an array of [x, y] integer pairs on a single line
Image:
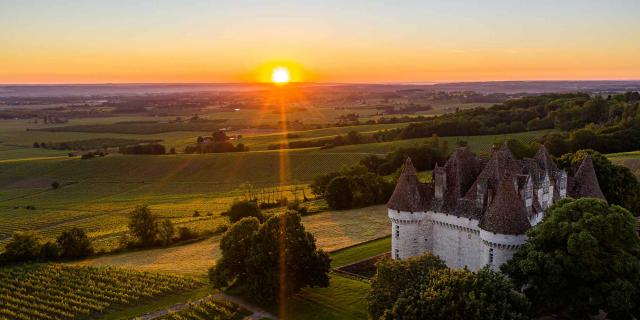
{"points": [[280, 75]]}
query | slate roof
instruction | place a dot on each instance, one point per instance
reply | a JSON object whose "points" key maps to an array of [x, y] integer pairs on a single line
{"points": [[506, 214], [585, 182], [407, 195], [502, 177]]}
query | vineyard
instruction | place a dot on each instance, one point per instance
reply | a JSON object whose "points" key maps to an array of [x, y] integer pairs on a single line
{"points": [[209, 309], [52, 291]]}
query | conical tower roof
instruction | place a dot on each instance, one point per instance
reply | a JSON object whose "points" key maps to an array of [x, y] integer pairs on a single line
{"points": [[406, 196], [506, 214], [585, 181], [544, 159]]}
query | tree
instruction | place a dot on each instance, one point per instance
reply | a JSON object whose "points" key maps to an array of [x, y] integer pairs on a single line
{"points": [[394, 276], [459, 294], [338, 194], [582, 258], [74, 244], [219, 136], [166, 231], [244, 209], [619, 185], [55, 185], [23, 246], [50, 251], [282, 258], [235, 246], [143, 225]]}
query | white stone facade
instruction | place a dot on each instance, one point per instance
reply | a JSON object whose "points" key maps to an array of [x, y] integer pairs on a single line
{"points": [[458, 241]]}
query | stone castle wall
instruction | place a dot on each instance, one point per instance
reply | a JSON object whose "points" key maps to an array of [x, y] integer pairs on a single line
{"points": [[458, 241]]}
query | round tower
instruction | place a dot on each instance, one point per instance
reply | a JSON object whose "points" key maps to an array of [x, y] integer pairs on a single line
{"points": [[503, 226], [407, 215]]}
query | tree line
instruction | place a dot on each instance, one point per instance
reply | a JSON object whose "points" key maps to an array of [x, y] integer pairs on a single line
{"points": [[218, 142]]}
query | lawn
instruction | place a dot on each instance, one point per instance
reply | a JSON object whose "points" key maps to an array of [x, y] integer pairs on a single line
{"points": [[360, 252], [345, 298]]}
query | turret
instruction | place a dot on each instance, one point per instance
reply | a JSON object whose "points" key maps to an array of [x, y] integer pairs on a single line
{"points": [[585, 181], [407, 214], [503, 225]]}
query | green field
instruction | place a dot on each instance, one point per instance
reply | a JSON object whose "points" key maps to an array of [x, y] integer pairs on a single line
{"points": [[96, 194]]}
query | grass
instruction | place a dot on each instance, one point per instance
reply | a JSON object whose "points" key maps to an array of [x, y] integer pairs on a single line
{"points": [[333, 230], [345, 298], [360, 252]]}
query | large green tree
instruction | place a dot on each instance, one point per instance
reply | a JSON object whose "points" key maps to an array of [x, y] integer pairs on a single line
{"points": [[582, 258], [394, 276], [619, 185], [236, 244], [272, 261], [459, 294], [338, 194]]}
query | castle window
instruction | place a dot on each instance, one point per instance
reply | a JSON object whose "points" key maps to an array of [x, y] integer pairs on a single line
{"points": [[397, 254], [490, 256], [397, 232]]}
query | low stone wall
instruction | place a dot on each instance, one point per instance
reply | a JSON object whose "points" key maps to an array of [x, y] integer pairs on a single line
{"points": [[363, 269]]}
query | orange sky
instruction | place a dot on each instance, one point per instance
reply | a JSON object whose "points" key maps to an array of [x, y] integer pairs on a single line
{"points": [[425, 41]]}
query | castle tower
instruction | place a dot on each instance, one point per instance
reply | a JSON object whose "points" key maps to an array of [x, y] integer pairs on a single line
{"points": [[585, 182], [503, 226], [407, 215]]}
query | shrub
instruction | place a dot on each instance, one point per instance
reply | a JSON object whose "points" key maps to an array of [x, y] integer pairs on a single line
{"points": [[50, 251], [185, 233], [23, 246], [165, 232], [74, 244], [244, 209], [55, 185]]}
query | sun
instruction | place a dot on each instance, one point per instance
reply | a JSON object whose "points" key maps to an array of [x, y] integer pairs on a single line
{"points": [[280, 75]]}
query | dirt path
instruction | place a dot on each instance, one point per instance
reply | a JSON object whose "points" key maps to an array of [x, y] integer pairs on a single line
{"points": [[257, 312]]}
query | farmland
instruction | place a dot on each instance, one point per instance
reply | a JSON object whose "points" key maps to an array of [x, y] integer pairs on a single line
{"points": [[96, 194], [332, 229], [48, 291]]}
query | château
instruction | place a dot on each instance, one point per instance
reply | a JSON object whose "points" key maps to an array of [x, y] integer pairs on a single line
{"points": [[476, 210]]}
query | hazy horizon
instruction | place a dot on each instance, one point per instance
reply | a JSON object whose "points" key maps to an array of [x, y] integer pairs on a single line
{"points": [[201, 41]]}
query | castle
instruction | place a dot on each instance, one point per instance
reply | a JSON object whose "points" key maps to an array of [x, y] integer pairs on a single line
{"points": [[476, 210]]}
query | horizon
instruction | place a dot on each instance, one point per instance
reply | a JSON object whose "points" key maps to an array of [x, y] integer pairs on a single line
{"points": [[360, 42]]}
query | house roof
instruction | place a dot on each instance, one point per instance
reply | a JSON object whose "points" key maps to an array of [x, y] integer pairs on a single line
{"points": [[506, 214]]}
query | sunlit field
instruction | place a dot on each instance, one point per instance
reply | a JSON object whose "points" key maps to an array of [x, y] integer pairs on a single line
{"points": [[333, 230]]}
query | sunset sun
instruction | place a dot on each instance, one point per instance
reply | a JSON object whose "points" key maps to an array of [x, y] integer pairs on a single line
{"points": [[280, 75]]}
